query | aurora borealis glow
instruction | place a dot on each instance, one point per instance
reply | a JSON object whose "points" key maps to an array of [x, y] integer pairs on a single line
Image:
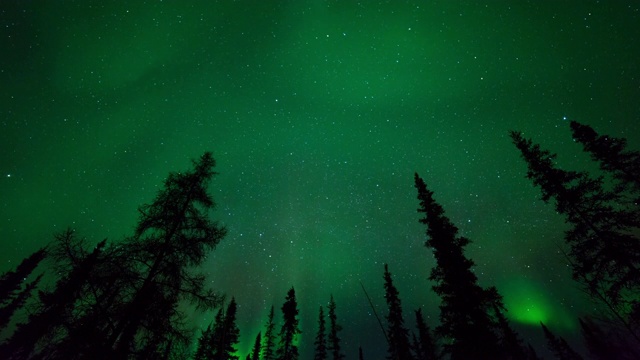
{"points": [[318, 114]]}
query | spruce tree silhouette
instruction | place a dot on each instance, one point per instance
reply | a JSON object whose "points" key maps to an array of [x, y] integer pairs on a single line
{"points": [[255, 352], [226, 334], [398, 335], [465, 321], [510, 342], [559, 346], [268, 347], [334, 328], [11, 281], [288, 349], [321, 341], [360, 355], [424, 345], [173, 236], [603, 241], [205, 341], [11, 297], [612, 155]]}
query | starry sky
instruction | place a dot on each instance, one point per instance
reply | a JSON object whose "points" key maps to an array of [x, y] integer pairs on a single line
{"points": [[318, 114]]}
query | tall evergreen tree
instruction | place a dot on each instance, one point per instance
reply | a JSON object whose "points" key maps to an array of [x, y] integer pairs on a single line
{"points": [[11, 281], [465, 320], [603, 242], [425, 346], [321, 341], [268, 346], [255, 352], [360, 355], [288, 349], [510, 341], [559, 346], [334, 328], [612, 155], [399, 347], [173, 236], [227, 335]]}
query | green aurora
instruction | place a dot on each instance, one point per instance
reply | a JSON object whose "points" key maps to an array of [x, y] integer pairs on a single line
{"points": [[318, 114]]}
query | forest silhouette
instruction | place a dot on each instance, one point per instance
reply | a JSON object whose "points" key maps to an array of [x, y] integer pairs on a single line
{"points": [[127, 299]]}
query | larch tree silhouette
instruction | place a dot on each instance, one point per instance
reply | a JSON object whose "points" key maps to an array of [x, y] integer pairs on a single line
{"points": [[288, 348], [334, 328], [320, 342], [269, 341], [603, 239], [173, 237], [399, 347], [466, 324]]}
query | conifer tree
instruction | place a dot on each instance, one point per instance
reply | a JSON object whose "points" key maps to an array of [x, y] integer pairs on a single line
{"points": [[205, 342], [399, 347], [268, 347], [288, 349], [465, 320], [227, 335], [321, 341], [510, 341], [44, 326], [424, 344], [559, 346], [360, 355], [255, 352], [173, 236], [334, 328], [7, 311], [612, 155], [11, 281], [603, 243]]}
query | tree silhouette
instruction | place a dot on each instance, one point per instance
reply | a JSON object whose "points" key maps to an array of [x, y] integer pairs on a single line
{"points": [[603, 243], [510, 341], [51, 320], [172, 237], [559, 346], [255, 352], [288, 350], [612, 155], [11, 281], [424, 344], [205, 341], [7, 311], [334, 328], [398, 335], [268, 347], [360, 355], [465, 321], [321, 341], [226, 335]]}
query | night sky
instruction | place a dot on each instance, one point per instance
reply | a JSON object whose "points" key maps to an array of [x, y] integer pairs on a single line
{"points": [[318, 114]]}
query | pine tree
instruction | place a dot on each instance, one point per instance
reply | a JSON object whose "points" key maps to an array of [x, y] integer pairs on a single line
{"points": [[399, 347], [173, 236], [321, 341], [334, 328], [255, 353], [288, 349], [559, 346], [360, 355], [612, 155], [268, 346], [465, 321], [603, 250], [11, 281], [425, 346]]}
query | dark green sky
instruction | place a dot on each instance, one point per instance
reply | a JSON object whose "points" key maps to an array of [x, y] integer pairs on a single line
{"points": [[318, 114]]}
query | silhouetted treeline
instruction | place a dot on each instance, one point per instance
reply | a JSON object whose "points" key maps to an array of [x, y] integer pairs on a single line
{"points": [[123, 300]]}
